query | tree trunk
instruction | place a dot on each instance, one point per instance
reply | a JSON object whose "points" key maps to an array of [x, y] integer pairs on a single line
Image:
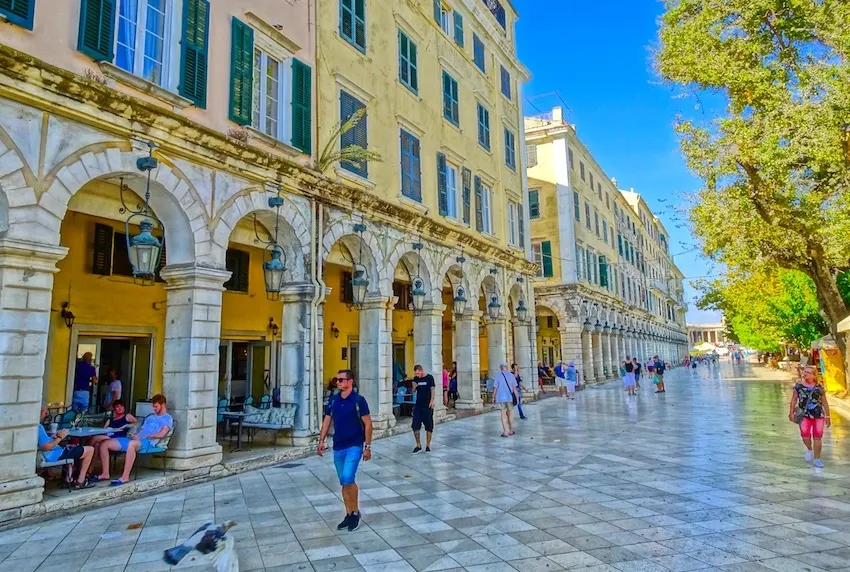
{"points": [[832, 306]]}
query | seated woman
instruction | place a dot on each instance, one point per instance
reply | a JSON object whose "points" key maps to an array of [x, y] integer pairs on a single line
{"points": [[120, 420]]}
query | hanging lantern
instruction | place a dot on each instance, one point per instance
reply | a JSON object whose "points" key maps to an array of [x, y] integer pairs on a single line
{"points": [[417, 292], [522, 311], [273, 270], [494, 308], [358, 287], [144, 250], [459, 301]]}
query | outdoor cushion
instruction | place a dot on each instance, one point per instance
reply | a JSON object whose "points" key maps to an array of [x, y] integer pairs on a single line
{"points": [[255, 415]]}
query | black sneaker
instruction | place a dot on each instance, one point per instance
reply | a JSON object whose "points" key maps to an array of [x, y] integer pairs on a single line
{"points": [[427, 449], [345, 522], [354, 521], [417, 450]]}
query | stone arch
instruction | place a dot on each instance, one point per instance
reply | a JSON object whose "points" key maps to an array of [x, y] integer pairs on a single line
{"points": [[4, 213], [373, 258], [404, 254], [294, 230], [553, 306], [173, 198]]}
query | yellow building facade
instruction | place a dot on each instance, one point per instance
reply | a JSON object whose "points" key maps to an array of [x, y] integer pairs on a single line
{"points": [[239, 109], [607, 286]]}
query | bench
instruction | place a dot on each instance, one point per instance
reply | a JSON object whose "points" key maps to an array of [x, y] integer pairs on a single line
{"points": [[160, 448], [274, 419]]}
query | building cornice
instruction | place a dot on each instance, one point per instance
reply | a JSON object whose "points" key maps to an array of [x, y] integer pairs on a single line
{"points": [[30, 81]]}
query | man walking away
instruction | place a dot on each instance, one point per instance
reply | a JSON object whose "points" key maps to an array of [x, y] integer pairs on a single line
{"points": [[659, 372], [85, 376], [504, 397], [560, 379], [520, 389], [349, 413], [423, 409]]}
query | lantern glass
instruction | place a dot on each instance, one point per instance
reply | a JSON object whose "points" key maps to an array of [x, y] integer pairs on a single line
{"points": [[418, 294], [358, 287], [144, 251], [459, 301], [522, 311], [494, 308], [273, 270]]}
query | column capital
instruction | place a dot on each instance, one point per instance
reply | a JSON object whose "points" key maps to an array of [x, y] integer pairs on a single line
{"points": [[377, 302], [432, 310], [30, 255], [300, 292], [471, 315], [491, 322], [185, 276]]}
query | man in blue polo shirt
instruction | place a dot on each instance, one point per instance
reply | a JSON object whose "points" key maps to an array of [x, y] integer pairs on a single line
{"points": [[349, 413], [85, 375]]}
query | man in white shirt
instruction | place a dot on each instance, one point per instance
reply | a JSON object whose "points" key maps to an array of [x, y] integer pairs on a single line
{"points": [[113, 392]]}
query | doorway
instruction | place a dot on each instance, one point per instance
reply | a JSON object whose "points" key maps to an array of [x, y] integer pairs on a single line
{"points": [[130, 357], [245, 372]]}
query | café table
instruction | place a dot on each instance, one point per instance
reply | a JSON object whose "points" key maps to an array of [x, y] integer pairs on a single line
{"points": [[83, 432], [238, 415]]}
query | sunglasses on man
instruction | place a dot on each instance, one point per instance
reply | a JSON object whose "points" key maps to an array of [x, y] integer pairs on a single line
{"points": [[338, 379]]}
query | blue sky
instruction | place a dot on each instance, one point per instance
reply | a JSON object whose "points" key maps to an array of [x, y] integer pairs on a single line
{"points": [[597, 56]]}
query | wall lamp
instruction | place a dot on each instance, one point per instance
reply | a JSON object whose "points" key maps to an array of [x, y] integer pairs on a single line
{"points": [[67, 315], [334, 330]]}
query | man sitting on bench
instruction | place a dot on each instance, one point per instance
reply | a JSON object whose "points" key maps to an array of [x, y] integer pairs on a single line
{"points": [[154, 427], [52, 451]]}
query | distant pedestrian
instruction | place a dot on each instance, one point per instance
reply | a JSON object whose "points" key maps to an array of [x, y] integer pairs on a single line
{"points": [[572, 380], [561, 379], [658, 369], [445, 387], [542, 373], [629, 376], [423, 409], [453, 394], [349, 413], [810, 409], [520, 389], [504, 397], [636, 369]]}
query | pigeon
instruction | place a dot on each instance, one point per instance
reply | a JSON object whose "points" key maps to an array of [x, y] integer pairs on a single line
{"points": [[211, 540]]}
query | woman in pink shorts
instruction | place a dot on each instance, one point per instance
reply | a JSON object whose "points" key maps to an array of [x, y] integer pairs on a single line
{"points": [[810, 397]]}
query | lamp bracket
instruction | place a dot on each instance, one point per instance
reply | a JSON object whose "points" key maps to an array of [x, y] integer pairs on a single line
{"points": [[148, 163], [418, 246], [359, 227], [460, 259], [520, 279], [494, 271], [275, 202]]}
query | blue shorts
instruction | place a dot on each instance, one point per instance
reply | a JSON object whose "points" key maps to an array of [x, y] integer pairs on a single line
{"points": [[346, 462], [125, 442]]}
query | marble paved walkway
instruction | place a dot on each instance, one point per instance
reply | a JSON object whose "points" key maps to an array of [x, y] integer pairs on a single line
{"points": [[709, 476]]}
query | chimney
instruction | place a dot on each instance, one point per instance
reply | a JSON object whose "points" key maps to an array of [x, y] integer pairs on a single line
{"points": [[614, 181], [557, 114]]}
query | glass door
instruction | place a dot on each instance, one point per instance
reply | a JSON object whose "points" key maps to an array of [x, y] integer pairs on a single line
{"points": [[258, 371], [87, 345], [140, 371]]}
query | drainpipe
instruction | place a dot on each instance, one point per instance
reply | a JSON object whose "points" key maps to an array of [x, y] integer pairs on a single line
{"points": [[319, 289]]}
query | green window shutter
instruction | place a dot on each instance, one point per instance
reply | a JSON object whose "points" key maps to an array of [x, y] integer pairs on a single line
{"points": [[19, 12], [458, 28], [534, 203], [521, 225], [194, 51], [442, 191], [467, 195], [438, 8], [102, 259], [302, 107], [546, 250], [241, 72], [479, 208], [97, 29], [603, 272]]}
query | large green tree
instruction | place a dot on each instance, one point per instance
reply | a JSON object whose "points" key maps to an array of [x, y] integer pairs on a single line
{"points": [[774, 160]]}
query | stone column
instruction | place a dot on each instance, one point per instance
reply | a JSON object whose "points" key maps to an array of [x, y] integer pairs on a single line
{"points": [[523, 355], [621, 355], [26, 283], [374, 359], [572, 344], [428, 349], [587, 355], [295, 359], [628, 341], [596, 337], [190, 362], [613, 362], [496, 345], [606, 352], [467, 356]]}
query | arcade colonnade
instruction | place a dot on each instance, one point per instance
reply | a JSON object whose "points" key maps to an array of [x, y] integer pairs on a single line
{"points": [[60, 183]]}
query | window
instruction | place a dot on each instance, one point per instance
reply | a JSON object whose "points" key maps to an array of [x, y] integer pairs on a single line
{"points": [[603, 272], [352, 22], [512, 223], [533, 203], [486, 215], [546, 258], [591, 182], [596, 218], [237, 263], [581, 169], [446, 20], [531, 155], [144, 37], [407, 71], [608, 201], [451, 106], [616, 211], [598, 189], [572, 159], [580, 274], [270, 96], [18, 12], [358, 135], [605, 230], [478, 53], [346, 290], [402, 292], [537, 254], [498, 12], [587, 222], [452, 184], [483, 127], [510, 149], [411, 167], [506, 83], [577, 206]]}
